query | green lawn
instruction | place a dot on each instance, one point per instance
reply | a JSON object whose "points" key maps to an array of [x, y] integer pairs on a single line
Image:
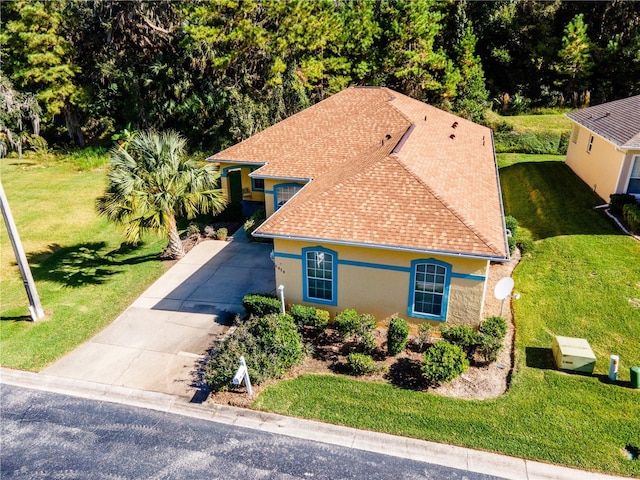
{"points": [[83, 275], [577, 282], [556, 122]]}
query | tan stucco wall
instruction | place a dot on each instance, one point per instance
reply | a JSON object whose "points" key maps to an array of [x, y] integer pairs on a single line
{"points": [[625, 173], [248, 192], [382, 292], [600, 169], [269, 185]]}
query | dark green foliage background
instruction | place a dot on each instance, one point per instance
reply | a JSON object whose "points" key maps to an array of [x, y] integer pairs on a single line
{"points": [[220, 71]]}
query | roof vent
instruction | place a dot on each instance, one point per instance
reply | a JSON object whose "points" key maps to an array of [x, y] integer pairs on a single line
{"points": [[607, 114], [387, 136], [452, 136], [455, 125], [483, 140], [425, 118]]}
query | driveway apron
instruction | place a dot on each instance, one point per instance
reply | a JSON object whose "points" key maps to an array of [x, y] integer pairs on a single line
{"points": [[158, 342]]}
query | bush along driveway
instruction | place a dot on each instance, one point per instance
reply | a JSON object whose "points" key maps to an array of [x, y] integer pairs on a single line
{"points": [[579, 277]]}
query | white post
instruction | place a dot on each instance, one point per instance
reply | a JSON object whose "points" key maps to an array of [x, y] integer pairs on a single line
{"points": [[281, 291], [613, 367], [243, 374], [35, 308]]}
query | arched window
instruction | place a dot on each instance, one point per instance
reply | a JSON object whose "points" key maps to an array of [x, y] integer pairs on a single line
{"points": [[284, 192], [429, 289], [319, 274]]}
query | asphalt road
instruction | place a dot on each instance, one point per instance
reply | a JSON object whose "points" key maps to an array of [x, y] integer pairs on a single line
{"points": [[52, 436]]}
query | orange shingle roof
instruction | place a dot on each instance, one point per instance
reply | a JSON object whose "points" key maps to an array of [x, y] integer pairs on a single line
{"points": [[387, 171]]}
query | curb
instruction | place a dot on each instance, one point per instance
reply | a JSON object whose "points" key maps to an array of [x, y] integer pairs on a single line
{"points": [[419, 450]]}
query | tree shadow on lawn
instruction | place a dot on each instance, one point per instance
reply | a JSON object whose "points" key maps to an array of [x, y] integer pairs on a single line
{"points": [[549, 200], [84, 263]]}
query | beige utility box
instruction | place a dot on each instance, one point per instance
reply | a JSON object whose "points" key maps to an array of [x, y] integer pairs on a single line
{"points": [[573, 354]]}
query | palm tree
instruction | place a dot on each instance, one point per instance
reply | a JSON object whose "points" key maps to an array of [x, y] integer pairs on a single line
{"points": [[151, 182]]}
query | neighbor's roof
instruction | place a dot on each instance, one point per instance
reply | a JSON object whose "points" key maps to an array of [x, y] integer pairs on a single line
{"points": [[617, 121], [386, 171]]}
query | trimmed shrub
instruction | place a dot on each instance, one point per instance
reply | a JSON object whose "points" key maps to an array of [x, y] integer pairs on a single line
{"points": [[490, 347], [253, 222], [261, 304], [320, 320], [463, 336], [302, 314], [347, 323], [619, 200], [193, 230], [495, 327], [352, 326], [278, 335], [271, 345], [397, 336], [314, 318], [222, 233], [361, 364], [443, 362], [423, 335], [631, 216]]}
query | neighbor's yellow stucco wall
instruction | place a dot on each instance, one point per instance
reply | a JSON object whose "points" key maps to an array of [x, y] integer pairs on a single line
{"points": [[382, 292], [600, 169]]}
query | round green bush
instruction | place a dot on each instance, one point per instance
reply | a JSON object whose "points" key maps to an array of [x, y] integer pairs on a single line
{"points": [[495, 327], [443, 362], [346, 323], [361, 364], [397, 336], [261, 304], [462, 335]]}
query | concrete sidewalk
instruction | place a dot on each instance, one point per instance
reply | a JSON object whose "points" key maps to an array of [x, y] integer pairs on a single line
{"points": [[419, 450], [157, 343]]}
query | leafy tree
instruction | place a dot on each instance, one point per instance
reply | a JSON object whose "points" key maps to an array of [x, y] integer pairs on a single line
{"points": [[411, 61], [575, 61], [15, 109], [38, 60], [471, 100], [151, 182]]}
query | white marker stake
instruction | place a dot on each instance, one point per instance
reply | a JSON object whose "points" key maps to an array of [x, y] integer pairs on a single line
{"points": [[243, 374]]}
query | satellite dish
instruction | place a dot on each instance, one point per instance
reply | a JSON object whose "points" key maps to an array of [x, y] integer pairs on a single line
{"points": [[503, 288]]}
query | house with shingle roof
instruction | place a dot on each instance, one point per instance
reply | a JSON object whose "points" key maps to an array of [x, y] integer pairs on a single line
{"points": [[378, 202], [604, 150]]}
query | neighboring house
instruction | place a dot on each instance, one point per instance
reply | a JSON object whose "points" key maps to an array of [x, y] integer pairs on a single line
{"points": [[376, 202], [604, 149]]}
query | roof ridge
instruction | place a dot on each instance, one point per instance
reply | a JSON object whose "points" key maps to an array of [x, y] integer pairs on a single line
{"points": [[489, 244]]}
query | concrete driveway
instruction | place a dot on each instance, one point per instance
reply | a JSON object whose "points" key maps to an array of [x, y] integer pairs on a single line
{"points": [[157, 343]]}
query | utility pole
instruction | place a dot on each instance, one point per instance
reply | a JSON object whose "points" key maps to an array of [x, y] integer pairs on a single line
{"points": [[35, 308]]}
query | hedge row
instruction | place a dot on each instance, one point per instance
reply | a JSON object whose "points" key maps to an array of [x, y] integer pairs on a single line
{"points": [[631, 216], [271, 345], [541, 143]]}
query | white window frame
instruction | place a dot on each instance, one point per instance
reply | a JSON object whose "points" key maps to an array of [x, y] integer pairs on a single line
{"points": [[424, 274], [634, 176], [284, 192], [320, 265]]}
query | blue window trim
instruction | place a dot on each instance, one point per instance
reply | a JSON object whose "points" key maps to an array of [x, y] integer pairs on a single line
{"points": [[278, 187], [445, 297], [253, 185], [305, 279]]}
